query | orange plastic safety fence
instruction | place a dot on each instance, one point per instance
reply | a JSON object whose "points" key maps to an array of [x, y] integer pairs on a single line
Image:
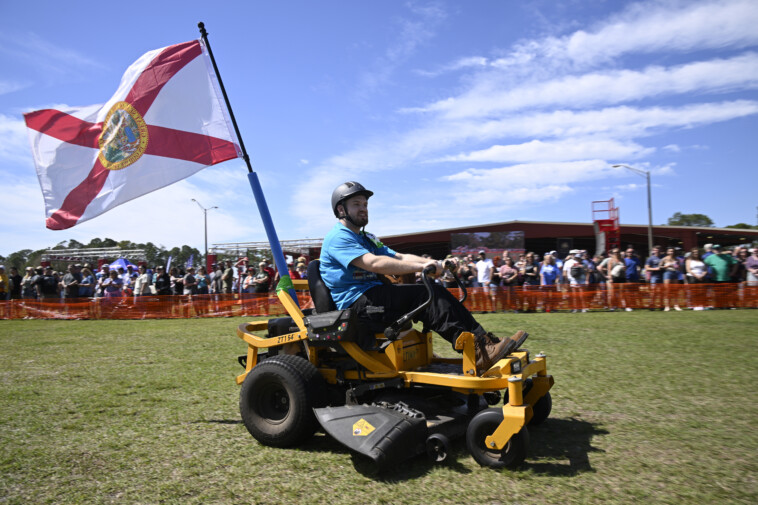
{"points": [[616, 296], [148, 307], [522, 299]]}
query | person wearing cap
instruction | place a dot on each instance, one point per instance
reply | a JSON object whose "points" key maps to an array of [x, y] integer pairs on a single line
{"points": [[558, 262], [27, 285], [47, 284], [484, 268], [100, 276], [227, 278], [302, 270], [189, 283], [575, 272], [70, 283], [707, 250], [247, 285], [721, 264], [262, 279], [162, 281], [353, 260]]}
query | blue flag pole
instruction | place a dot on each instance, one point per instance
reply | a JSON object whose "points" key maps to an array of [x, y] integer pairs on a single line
{"points": [[285, 281]]}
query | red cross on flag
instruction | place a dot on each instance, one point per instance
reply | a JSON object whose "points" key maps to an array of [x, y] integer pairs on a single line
{"points": [[166, 121]]}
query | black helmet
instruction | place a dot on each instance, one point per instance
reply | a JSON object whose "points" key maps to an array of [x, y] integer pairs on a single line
{"points": [[345, 191]]}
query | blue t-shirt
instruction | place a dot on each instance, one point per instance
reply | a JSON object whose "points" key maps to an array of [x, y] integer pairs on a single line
{"points": [[345, 281], [549, 274], [632, 274], [654, 262]]}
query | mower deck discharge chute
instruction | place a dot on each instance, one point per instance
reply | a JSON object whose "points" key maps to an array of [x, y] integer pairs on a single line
{"points": [[388, 403]]}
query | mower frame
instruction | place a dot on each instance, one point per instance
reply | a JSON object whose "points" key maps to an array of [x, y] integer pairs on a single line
{"points": [[410, 360]]}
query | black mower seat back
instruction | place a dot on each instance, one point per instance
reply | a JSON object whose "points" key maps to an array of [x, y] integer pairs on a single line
{"points": [[322, 298], [366, 327]]}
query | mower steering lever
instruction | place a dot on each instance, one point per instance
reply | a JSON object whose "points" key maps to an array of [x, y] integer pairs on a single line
{"points": [[393, 330]]}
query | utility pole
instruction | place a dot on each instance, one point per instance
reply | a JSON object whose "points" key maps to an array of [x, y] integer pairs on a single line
{"points": [[646, 174], [205, 220]]}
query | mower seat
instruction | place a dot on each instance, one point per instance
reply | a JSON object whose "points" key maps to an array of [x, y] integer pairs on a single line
{"points": [[322, 298], [323, 303]]}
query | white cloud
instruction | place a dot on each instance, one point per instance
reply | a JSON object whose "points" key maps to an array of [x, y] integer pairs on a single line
{"points": [[643, 27], [532, 174], [648, 27], [614, 122], [603, 88], [563, 150]]}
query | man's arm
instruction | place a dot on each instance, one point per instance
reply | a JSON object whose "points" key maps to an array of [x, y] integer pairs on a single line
{"points": [[412, 258], [401, 264]]}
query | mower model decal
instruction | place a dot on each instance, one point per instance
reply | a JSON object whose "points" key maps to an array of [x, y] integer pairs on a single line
{"points": [[285, 338], [362, 428]]}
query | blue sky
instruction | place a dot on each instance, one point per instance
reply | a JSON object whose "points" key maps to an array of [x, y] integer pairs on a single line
{"points": [[453, 113]]}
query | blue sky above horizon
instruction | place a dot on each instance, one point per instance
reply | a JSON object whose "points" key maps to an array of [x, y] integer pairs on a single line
{"points": [[453, 113]]}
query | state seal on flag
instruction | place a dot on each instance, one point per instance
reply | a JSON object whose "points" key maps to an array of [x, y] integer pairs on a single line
{"points": [[124, 137]]}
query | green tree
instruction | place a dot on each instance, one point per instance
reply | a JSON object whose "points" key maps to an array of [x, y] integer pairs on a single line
{"points": [[153, 254], [679, 219], [17, 259], [743, 226]]}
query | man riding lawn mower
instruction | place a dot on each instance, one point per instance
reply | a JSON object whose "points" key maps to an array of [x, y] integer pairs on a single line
{"points": [[387, 395]]}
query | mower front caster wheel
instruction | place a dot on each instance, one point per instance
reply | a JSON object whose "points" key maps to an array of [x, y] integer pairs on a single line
{"points": [[484, 424]]}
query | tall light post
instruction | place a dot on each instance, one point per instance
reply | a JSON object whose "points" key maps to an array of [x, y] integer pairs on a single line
{"points": [[646, 174], [205, 219]]}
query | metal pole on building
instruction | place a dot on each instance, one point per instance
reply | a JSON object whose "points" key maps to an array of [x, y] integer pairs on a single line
{"points": [[646, 174]]}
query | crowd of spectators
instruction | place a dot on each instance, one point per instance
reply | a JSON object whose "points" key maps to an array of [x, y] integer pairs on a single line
{"points": [[578, 269], [80, 281], [526, 276]]}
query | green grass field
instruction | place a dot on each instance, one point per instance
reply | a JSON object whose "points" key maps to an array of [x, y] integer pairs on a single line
{"points": [[647, 407]]}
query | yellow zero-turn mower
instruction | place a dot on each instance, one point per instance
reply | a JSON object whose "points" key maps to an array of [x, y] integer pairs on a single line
{"points": [[388, 403]]}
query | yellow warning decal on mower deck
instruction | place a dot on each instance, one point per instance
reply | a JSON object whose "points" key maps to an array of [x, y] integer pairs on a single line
{"points": [[362, 428]]}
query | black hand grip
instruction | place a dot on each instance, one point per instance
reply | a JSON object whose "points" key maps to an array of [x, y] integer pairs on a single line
{"points": [[392, 331]]}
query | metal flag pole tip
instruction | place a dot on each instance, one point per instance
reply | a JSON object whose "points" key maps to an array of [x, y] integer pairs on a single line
{"points": [[255, 185]]}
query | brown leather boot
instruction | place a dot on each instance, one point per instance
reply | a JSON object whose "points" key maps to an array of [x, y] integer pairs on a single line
{"points": [[489, 352], [519, 337]]}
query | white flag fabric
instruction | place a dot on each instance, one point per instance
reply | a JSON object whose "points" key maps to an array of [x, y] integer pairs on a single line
{"points": [[166, 121]]}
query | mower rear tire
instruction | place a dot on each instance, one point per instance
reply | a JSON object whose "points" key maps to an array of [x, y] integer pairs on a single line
{"points": [[277, 400], [484, 424]]}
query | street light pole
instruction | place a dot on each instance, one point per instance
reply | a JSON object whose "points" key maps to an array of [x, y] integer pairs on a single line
{"points": [[205, 219], [646, 174]]}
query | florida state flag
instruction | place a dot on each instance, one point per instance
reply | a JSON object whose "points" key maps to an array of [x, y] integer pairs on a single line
{"points": [[166, 121]]}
